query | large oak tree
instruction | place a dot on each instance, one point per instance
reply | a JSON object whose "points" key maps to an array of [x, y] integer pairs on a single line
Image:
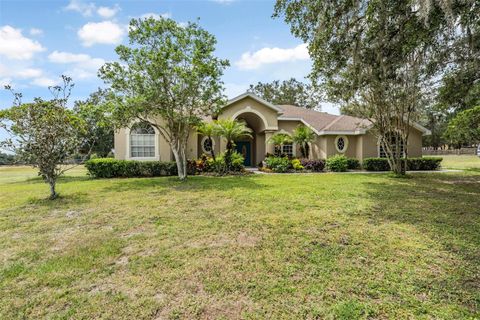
{"points": [[377, 57]]}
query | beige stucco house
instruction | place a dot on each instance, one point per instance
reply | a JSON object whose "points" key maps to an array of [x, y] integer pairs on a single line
{"points": [[334, 134]]}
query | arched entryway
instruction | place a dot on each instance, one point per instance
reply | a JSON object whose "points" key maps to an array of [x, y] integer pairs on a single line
{"points": [[252, 149]]}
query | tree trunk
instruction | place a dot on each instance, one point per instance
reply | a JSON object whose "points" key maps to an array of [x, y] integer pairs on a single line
{"points": [[178, 149], [53, 192], [307, 150], [212, 151], [228, 156]]}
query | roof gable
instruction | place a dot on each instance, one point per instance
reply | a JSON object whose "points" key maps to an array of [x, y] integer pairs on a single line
{"points": [[254, 97]]}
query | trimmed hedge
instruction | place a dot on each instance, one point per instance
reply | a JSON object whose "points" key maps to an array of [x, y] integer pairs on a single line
{"points": [[413, 164], [112, 168], [313, 165], [427, 163], [353, 164], [376, 164]]}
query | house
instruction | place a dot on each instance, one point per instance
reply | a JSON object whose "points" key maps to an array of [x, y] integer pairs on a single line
{"points": [[335, 134]]}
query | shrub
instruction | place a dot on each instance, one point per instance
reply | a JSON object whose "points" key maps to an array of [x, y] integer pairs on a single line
{"points": [[376, 164], [337, 163], [207, 164], [296, 164], [381, 164], [278, 164], [353, 164], [313, 165], [427, 163], [112, 168]]}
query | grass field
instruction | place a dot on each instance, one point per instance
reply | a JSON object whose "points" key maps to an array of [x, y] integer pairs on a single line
{"points": [[461, 162], [328, 246]]}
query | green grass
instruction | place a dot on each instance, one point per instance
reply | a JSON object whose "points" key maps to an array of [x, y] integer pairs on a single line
{"points": [[328, 246], [461, 162]]}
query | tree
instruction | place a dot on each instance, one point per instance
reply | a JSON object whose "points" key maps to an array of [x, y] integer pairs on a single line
{"points": [[303, 136], [96, 115], [378, 57], [289, 91], [6, 159], [167, 77], [207, 129], [464, 129], [44, 133], [279, 140], [231, 130]]}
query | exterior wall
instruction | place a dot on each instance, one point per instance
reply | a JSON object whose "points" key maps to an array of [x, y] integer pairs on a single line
{"points": [[120, 144], [331, 150], [370, 144], [288, 126], [415, 143], [249, 105]]}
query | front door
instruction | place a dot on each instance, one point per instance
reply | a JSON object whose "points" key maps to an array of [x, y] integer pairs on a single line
{"points": [[244, 148]]}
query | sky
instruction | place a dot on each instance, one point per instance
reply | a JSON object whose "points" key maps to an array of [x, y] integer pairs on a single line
{"points": [[41, 40]]}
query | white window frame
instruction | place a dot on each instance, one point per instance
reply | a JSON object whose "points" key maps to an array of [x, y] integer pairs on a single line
{"points": [[345, 147], [203, 148], [128, 143]]}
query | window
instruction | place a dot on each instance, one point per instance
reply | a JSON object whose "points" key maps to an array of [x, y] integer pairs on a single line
{"points": [[382, 153], [142, 141], [286, 149], [341, 143], [207, 145]]}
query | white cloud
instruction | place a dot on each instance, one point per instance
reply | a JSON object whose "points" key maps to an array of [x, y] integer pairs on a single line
{"points": [[105, 32], [85, 9], [36, 32], [156, 15], [44, 82], [255, 60], [108, 12], [37, 76], [67, 57], [14, 45], [83, 65], [19, 72]]}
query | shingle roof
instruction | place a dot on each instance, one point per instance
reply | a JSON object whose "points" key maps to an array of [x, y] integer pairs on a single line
{"points": [[324, 122]]}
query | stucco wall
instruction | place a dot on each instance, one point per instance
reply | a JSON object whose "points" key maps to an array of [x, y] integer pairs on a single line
{"points": [[331, 150], [120, 144], [370, 144], [250, 105]]}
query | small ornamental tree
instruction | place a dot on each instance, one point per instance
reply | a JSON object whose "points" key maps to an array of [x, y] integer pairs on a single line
{"points": [[278, 140], [167, 77], [44, 133], [231, 130], [303, 136], [208, 130]]}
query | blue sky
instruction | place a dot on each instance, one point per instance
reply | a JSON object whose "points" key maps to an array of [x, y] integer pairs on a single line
{"points": [[40, 40]]}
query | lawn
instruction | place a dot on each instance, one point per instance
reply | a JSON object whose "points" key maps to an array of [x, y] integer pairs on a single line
{"points": [[340, 246], [461, 162]]}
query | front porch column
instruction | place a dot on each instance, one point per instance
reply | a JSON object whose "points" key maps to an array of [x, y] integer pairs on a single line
{"points": [[269, 148]]}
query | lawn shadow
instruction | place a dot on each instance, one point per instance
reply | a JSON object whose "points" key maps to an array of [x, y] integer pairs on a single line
{"points": [[445, 207], [192, 184], [61, 179]]}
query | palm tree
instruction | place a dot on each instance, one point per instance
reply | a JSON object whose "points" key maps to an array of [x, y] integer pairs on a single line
{"points": [[231, 130], [278, 140], [303, 135], [208, 130]]}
